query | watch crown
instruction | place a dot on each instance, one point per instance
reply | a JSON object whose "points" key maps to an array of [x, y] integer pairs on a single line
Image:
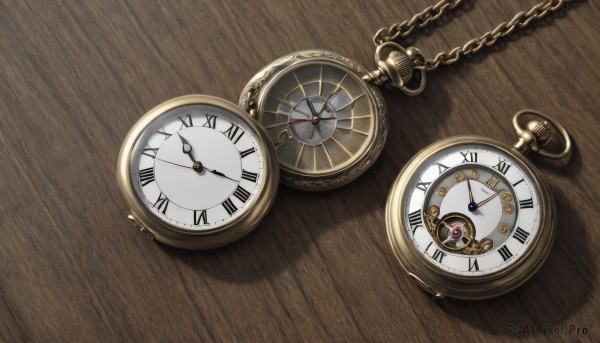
{"points": [[399, 67], [540, 130], [535, 135]]}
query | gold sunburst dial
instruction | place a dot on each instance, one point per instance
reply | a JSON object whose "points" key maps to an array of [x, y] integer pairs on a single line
{"points": [[328, 125], [319, 116]]}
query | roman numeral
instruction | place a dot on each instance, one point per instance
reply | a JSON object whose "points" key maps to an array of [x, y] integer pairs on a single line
{"points": [[473, 265], [441, 168], [229, 206], [526, 203], [505, 253], [162, 203], [247, 152], [423, 186], [211, 121], [151, 152], [492, 183], [186, 121], [146, 176], [200, 216], [502, 167], [232, 133], [163, 132], [469, 157], [521, 235], [241, 194], [415, 220], [518, 182], [246, 175], [438, 255]]}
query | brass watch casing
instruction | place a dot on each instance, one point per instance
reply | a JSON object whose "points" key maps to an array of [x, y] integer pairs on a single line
{"points": [[187, 239], [441, 283], [252, 100]]}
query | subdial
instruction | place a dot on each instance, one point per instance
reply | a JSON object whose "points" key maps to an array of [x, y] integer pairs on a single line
{"points": [[455, 232]]}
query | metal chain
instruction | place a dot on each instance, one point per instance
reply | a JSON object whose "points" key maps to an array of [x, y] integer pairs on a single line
{"points": [[432, 13], [419, 20]]}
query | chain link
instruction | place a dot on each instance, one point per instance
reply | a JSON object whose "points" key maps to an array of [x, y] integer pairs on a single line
{"points": [[432, 13], [419, 20]]}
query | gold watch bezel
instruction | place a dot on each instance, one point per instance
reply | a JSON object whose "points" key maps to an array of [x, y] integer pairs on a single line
{"points": [[252, 99], [187, 239], [442, 283]]}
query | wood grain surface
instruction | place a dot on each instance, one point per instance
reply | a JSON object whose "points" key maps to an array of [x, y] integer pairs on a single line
{"points": [[76, 75]]}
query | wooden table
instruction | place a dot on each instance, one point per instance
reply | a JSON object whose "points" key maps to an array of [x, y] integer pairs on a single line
{"points": [[75, 75]]}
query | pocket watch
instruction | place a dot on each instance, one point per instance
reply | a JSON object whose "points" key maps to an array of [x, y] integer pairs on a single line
{"points": [[470, 217], [324, 112], [197, 173], [328, 125]]}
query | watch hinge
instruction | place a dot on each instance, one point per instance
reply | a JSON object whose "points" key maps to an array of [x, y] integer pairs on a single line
{"points": [[143, 229], [426, 286]]}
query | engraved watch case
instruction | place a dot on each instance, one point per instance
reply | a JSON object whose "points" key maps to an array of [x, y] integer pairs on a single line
{"points": [[313, 166]]}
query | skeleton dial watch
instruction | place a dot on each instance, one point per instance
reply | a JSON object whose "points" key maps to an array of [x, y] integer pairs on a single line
{"points": [[470, 217]]}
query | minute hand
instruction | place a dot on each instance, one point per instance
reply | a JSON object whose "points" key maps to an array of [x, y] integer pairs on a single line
{"points": [[334, 93], [490, 198]]}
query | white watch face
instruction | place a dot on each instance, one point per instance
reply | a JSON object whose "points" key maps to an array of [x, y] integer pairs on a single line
{"points": [[197, 167], [471, 210]]}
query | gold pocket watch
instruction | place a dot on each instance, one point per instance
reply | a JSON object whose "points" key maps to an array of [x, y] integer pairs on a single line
{"points": [[324, 112], [197, 173], [328, 125], [470, 217]]}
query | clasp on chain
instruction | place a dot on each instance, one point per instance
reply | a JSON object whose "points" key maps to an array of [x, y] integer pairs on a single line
{"points": [[398, 66], [537, 134]]}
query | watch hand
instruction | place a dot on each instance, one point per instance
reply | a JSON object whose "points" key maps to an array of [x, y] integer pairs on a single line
{"points": [[187, 148], [312, 108], [179, 165], [470, 193], [218, 173], [472, 206], [329, 98], [298, 121], [295, 108], [197, 166], [490, 198]]}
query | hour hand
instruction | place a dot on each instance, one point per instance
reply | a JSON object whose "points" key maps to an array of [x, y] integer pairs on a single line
{"points": [[187, 148], [312, 108], [472, 206], [218, 173]]}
